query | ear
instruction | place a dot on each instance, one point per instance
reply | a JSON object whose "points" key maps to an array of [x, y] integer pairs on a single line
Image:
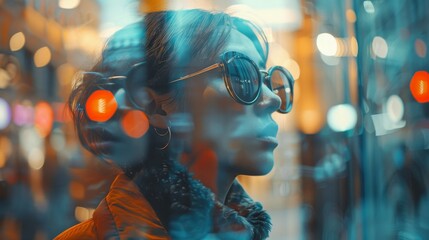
{"points": [[156, 108]]}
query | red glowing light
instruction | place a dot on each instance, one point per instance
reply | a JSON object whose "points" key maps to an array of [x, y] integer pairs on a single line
{"points": [[101, 106], [419, 86], [135, 123], [62, 112], [43, 118]]}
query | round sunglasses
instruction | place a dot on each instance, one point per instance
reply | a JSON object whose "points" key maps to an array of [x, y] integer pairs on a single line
{"points": [[242, 77]]}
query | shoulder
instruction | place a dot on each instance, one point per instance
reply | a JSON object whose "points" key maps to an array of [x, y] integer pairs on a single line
{"points": [[84, 230]]}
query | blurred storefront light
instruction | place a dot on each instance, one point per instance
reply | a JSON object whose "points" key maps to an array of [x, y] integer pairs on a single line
{"points": [[5, 114], [310, 117], [419, 86], [17, 41], [36, 158], [68, 4], [342, 117], [43, 118], [354, 46], [29, 139], [82, 214], [351, 15], [395, 108], [42, 57], [327, 44], [380, 47], [368, 6], [383, 124], [420, 47], [23, 114]]}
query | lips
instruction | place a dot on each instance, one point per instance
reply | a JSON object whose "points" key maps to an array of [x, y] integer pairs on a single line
{"points": [[268, 135]]}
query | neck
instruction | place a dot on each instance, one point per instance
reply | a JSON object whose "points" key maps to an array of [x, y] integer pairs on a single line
{"points": [[210, 173], [223, 183]]}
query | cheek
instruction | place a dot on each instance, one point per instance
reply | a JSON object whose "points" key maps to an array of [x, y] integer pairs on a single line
{"points": [[220, 112], [218, 98]]}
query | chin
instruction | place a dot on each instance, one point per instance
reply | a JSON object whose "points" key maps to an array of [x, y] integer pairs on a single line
{"points": [[255, 165]]}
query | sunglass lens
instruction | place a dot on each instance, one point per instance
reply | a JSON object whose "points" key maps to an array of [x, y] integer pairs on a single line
{"points": [[281, 86], [243, 79]]}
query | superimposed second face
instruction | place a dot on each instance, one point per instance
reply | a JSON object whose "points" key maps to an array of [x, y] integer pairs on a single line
{"points": [[122, 137]]}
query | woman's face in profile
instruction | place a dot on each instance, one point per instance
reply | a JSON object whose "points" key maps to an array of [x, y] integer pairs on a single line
{"points": [[121, 139], [243, 136]]}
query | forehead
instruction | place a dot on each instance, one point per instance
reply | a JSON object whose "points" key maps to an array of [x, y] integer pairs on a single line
{"points": [[241, 43]]}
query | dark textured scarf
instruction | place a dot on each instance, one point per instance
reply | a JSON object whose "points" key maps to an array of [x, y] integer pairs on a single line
{"points": [[189, 210]]}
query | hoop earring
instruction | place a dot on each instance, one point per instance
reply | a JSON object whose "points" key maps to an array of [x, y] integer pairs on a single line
{"points": [[162, 135]]}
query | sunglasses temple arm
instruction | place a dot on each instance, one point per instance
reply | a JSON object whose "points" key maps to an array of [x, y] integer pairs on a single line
{"points": [[209, 68]]}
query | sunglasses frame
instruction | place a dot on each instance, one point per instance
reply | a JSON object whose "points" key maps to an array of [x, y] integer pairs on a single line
{"points": [[291, 84], [232, 55], [225, 59]]}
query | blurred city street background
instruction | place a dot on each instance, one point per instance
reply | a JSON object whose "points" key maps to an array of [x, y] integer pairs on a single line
{"points": [[352, 161]]}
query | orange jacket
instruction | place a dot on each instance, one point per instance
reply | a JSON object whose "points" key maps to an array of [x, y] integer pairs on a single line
{"points": [[123, 214]]}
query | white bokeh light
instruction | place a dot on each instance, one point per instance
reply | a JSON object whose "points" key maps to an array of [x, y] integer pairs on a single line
{"points": [[327, 44], [379, 47], [342, 117], [368, 6], [5, 114], [395, 108], [68, 4], [36, 158]]}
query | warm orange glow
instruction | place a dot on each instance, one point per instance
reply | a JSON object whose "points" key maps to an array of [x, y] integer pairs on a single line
{"points": [[62, 112], [17, 41], [42, 57], [43, 118], [419, 86], [77, 190], [135, 123], [101, 106], [351, 16]]}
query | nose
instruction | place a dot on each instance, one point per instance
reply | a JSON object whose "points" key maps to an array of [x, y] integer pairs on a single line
{"points": [[268, 102]]}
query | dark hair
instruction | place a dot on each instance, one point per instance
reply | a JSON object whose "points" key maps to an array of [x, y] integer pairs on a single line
{"points": [[166, 42]]}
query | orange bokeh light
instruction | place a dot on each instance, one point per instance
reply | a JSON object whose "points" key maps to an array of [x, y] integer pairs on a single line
{"points": [[135, 123], [101, 105], [419, 86], [43, 118]]}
